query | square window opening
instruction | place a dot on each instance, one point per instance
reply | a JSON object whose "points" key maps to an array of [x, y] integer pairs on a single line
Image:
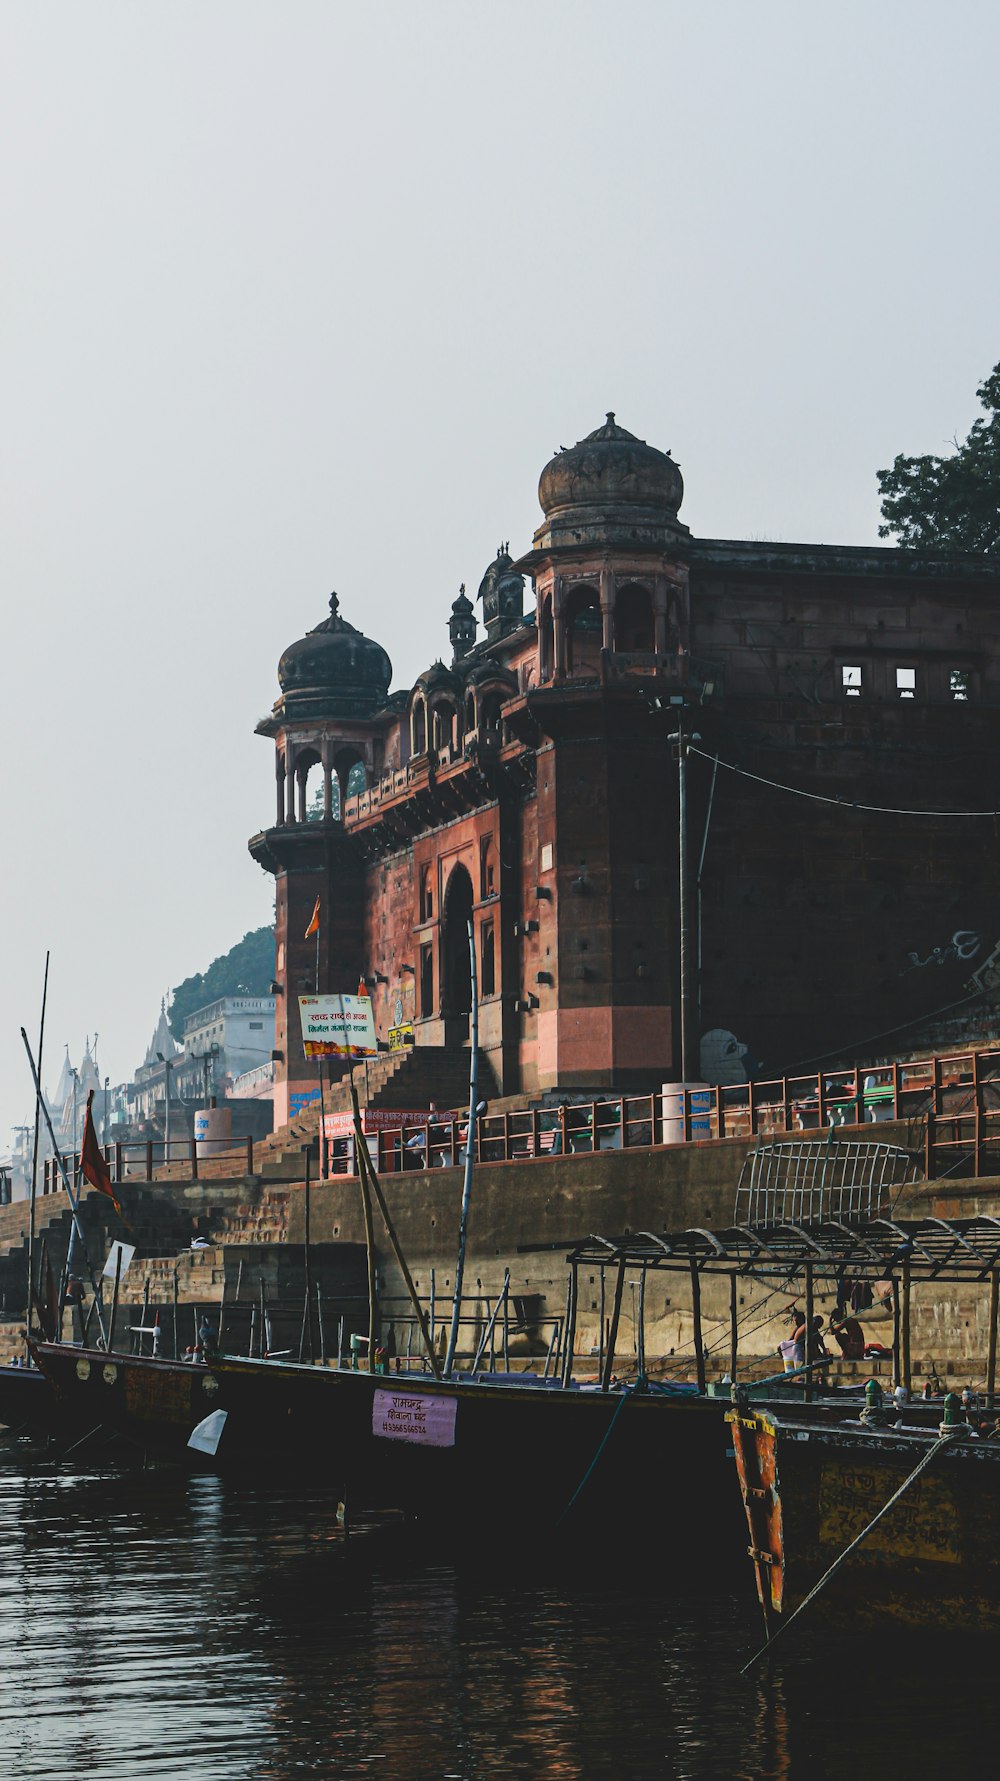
{"points": [[906, 683], [850, 679]]}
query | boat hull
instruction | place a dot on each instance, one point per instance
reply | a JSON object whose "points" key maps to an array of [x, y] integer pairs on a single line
{"points": [[808, 1492]]}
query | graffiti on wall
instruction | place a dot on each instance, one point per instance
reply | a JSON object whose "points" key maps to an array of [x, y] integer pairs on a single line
{"points": [[964, 945], [724, 1060]]}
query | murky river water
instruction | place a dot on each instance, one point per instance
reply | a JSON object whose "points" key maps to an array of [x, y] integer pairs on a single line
{"points": [[159, 1625]]}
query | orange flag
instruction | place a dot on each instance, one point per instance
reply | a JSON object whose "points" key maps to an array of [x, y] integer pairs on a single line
{"points": [[93, 1167], [313, 927], [363, 988]]}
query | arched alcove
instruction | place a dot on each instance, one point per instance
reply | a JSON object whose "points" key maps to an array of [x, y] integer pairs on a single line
{"points": [[634, 628], [583, 631], [456, 970]]}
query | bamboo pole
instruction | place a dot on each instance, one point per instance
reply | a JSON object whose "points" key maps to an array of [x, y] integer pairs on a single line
{"points": [[699, 1345], [365, 1168], [906, 1378], [114, 1296], [307, 1190], [807, 1384], [470, 1145], [34, 1151], [733, 1329], [991, 1365]]}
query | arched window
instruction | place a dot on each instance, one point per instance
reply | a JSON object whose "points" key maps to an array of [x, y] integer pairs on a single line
{"points": [[456, 968], [348, 780], [489, 711], [427, 893], [634, 630], [418, 726], [444, 724], [309, 786], [487, 868], [583, 632]]}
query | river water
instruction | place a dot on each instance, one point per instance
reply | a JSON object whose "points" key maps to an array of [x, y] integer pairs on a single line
{"points": [[160, 1625]]}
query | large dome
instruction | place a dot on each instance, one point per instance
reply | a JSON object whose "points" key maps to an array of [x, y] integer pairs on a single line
{"points": [[610, 482], [334, 670]]}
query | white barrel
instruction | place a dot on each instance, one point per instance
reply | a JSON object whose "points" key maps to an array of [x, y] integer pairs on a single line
{"points": [[673, 1111], [213, 1130]]}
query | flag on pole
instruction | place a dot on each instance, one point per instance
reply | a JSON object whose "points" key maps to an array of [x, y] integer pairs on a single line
{"points": [[93, 1167], [313, 927], [363, 989]]}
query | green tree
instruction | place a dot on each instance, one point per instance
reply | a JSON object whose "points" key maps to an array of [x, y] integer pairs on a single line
{"points": [[951, 503], [246, 970]]}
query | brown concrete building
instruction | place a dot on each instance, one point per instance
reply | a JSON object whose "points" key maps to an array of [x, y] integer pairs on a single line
{"points": [[531, 783]]}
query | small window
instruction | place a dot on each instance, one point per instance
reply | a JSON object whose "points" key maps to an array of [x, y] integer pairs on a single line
{"points": [[850, 679], [959, 683], [426, 894], [256, 1026], [906, 683], [488, 972], [426, 982], [487, 882]]}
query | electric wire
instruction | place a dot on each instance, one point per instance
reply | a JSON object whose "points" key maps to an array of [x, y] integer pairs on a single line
{"points": [[820, 798]]}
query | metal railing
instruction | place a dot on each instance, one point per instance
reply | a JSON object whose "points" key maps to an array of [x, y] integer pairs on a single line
{"points": [[950, 1102]]}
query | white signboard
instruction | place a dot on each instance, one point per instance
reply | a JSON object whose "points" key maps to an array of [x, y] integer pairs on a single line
{"points": [[414, 1416], [337, 1026], [126, 1251]]}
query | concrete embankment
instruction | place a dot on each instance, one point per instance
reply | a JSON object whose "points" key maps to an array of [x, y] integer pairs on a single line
{"points": [[525, 1216]]}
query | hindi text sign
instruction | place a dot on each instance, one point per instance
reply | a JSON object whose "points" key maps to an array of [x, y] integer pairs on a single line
{"points": [[337, 1026], [422, 1417]]}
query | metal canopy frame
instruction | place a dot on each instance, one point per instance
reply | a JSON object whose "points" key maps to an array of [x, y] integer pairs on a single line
{"points": [[930, 1248]]}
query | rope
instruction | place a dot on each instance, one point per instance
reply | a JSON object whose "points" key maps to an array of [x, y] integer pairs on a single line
{"points": [[818, 797], [942, 1442], [619, 1407]]}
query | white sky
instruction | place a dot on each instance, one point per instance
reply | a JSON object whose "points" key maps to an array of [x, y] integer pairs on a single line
{"points": [[299, 296]]}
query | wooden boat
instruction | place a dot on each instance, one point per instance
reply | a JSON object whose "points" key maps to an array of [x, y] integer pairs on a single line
{"points": [[809, 1491], [26, 1400]]}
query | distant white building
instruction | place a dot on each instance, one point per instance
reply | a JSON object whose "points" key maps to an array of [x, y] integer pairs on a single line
{"points": [[230, 1037]]}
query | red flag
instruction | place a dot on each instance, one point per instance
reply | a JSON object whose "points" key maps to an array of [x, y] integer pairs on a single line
{"points": [[93, 1167], [363, 989], [313, 927]]}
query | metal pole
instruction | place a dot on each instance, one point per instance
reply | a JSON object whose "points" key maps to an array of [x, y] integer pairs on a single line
{"points": [[906, 1328], [166, 1110], [470, 1145], [616, 1311], [109, 1344], [807, 1387], [308, 1268], [733, 1331]]}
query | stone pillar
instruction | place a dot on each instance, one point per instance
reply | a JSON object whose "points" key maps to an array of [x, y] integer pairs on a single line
{"points": [[559, 628], [607, 590], [289, 786], [328, 792], [279, 782], [660, 616]]}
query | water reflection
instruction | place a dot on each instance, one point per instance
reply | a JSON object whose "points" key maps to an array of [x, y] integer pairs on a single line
{"points": [[159, 1626]]}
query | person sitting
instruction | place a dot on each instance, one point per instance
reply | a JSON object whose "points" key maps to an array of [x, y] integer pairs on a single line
{"points": [[848, 1334]]}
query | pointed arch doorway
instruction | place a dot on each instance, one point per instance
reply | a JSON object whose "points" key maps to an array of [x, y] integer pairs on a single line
{"points": [[456, 984]]}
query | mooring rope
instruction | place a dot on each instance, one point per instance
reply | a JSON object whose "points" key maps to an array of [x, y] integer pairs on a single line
{"points": [[942, 1441], [619, 1407]]}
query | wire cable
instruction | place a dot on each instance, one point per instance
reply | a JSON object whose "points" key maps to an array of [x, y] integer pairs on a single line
{"points": [[819, 798]]}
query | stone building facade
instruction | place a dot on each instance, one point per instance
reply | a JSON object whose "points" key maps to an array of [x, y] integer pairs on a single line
{"points": [[837, 711]]}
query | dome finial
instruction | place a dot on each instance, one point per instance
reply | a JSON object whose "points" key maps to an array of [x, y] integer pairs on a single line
{"points": [[334, 605], [611, 417]]}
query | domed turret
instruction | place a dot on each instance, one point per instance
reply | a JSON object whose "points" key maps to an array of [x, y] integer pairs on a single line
{"points": [[334, 671], [502, 593], [462, 625], [611, 487]]}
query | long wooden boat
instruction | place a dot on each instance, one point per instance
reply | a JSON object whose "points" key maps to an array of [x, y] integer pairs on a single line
{"points": [[809, 1491]]}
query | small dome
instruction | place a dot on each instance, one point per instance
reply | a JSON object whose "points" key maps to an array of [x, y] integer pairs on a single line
{"points": [[335, 667], [612, 490], [611, 468]]}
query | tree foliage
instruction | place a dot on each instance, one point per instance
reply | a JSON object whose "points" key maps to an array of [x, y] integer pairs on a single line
{"points": [[246, 970], [953, 503]]}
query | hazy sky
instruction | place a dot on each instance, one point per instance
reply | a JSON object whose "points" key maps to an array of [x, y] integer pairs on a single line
{"points": [[299, 296]]}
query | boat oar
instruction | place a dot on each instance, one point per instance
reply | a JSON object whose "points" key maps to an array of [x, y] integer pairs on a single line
{"points": [[943, 1440]]}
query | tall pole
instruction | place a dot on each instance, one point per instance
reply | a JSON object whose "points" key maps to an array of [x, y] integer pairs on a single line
{"points": [[75, 1228], [470, 1145], [687, 1055], [166, 1109], [34, 1150]]}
